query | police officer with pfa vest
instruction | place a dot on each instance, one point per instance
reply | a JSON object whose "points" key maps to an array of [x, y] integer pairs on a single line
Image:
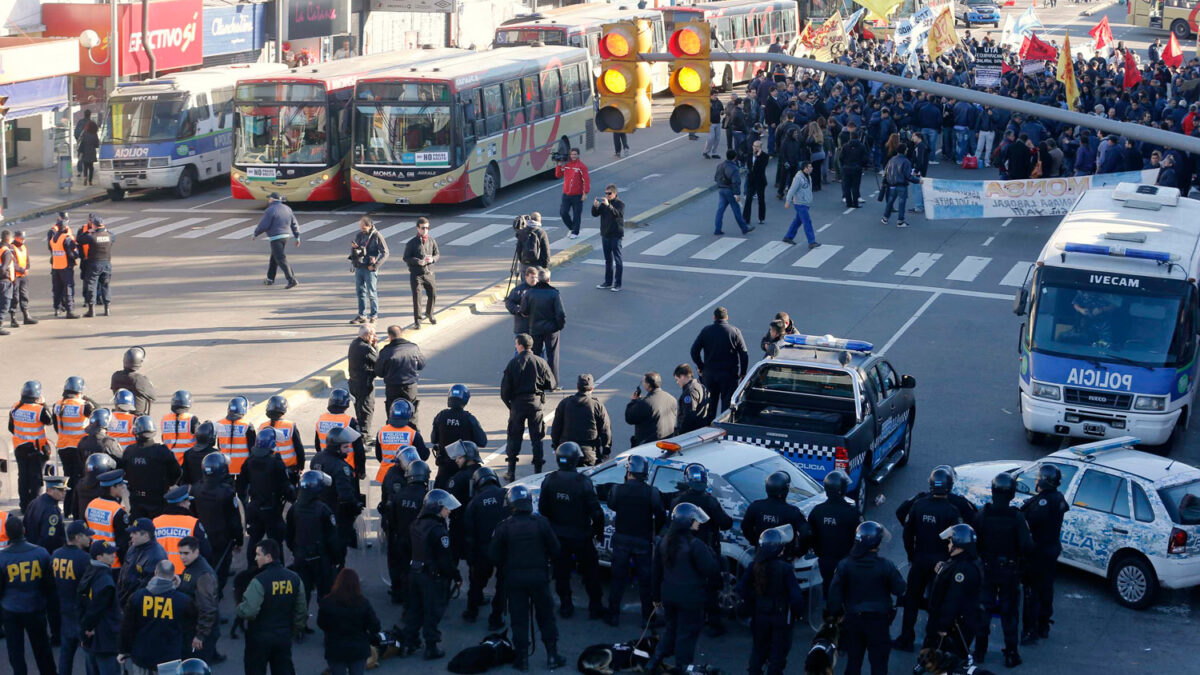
{"points": [[25, 584], [312, 534], [1004, 544], [929, 517], [69, 563], [404, 491], [150, 468], [219, 510], [452, 424], [774, 600], [265, 488], [433, 570], [341, 494], [483, 513], [1044, 513], [861, 592], [696, 478], [834, 523], [274, 607], [568, 501]]}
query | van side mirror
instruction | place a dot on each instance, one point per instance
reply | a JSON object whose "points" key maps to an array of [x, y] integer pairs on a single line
{"points": [[908, 382], [1020, 303]]}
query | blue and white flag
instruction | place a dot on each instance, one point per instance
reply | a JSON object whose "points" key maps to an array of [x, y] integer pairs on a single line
{"points": [[1026, 23], [852, 21]]}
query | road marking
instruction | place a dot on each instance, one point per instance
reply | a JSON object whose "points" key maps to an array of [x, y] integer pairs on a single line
{"points": [[445, 229], [200, 206], [209, 229], [847, 211], [122, 229], [969, 268], [489, 216], [170, 227], [767, 252], [824, 227], [397, 228], [1016, 275], [918, 265], [988, 241], [670, 244], [718, 248], [817, 256], [633, 237], [867, 260], [480, 234], [651, 175], [563, 242], [908, 324], [241, 233], [114, 219], [335, 233], [1006, 222]]}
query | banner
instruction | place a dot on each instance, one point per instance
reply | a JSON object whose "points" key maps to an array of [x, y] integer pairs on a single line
{"points": [[946, 199], [828, 42], [234, 28], [1033, 67], [1065, 72], [989, 66], [176, 34], [942, 36], [317, 18]]}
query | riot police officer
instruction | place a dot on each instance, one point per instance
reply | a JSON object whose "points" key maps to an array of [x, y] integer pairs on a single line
{"points": [[483, 513], [861, 591], [312, 535], [923, 527], [833, 523], [288, 444], [193, 458], [954, 594], [696, 477], [88, 487], [771, 594], [264, 487], [341, 495], [96, 440], [684, 567], [454, 424], [965, 508], [25, 586], [583, 419], [639, 512], [433, 570], [399, 508], [465, 456], [217, 507], [1004, 543], [150, 468], [1044, 514], [335, 416], [523, 547], [395, 435], [568, 501], [773, 511], [27, 423]]}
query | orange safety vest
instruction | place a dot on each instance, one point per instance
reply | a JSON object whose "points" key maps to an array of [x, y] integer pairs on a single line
{"points": [[120, 427], [22, 259], [168, 530], [71, 421], [329, 421], [177, 434], [391, 439], [28, 427], [231, 439], [58, 250], [3, 534], [285, 447], [101, 517]]}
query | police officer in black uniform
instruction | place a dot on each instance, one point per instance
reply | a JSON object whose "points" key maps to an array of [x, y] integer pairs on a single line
{"points": [[833, 523], [965, 508], [1044, 513], [954, 594], [923, 527], [483, 513], [568, 500], [523, 547], [861, 591], [465, 456], [693, 402], [773, 597], [99, 610], [25, 584], [639, 512], [69, 562], [433, 570], [44, 524], [216, 505], [773, 511], [696, 477], [88, 487], [151, 470], [403, 496], [341, 495], [137, 383], [582, 419], [1004, 544], [454, 424], [264, 487], [312, 535], [523, 388], [274, 607], [96, 440], [193, 458], [684, 568]]}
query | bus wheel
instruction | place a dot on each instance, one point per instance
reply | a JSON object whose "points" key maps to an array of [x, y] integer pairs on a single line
{"points": [[116, 194], [187, 181], [1181, 29], [491, 185]]}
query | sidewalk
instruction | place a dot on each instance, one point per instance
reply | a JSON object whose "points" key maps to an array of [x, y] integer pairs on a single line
{"points": [[35, 193]]}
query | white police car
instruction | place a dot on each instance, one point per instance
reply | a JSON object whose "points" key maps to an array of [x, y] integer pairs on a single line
{"points": [[736, 475], [1134, 518]]}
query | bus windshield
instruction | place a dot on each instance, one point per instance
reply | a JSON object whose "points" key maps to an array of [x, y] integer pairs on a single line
{"points": [[515, 37], [143, 119], [282, 134], [1146, 323], [403, 134]]}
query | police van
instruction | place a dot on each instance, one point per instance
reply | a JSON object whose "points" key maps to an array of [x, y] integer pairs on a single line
{"points": [[1109, 346], [172, 131]]}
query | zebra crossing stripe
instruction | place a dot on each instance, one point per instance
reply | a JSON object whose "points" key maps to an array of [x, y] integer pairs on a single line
{"points": [[209, 229], [867, 260], [918, 265], [767, 252], [480, 234], [1016, 275], [332, 235], [817, 256], [445, 229], [122, 229], [170, 227], [397, 228], [969, 268], [563, 242], [671, 244]]}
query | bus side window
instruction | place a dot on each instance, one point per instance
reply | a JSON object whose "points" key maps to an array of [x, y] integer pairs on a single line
{"points": [[493, 106], [551, 93], [571, 99], [202, 113], [466, 116], [533, 97], [585, 84], [223, 106], [513, 104]]}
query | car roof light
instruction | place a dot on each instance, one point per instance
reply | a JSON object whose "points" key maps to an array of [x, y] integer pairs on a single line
{"points": [[829, 342], [1092, 449], [1117, 251]]}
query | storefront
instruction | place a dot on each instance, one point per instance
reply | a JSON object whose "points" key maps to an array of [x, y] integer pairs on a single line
{"points": [[317, 30], [235, 33], [33, 80]]}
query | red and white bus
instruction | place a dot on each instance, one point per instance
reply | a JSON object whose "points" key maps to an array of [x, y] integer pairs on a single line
{"points": [[740, 26], [292, 130], [466, 126]]}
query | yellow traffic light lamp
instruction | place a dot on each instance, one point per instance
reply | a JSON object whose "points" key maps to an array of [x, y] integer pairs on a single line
{"points": [[691, 76], [624, 82]]}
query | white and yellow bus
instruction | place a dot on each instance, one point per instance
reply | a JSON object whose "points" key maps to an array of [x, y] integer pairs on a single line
{"points": [[1177, 16]]}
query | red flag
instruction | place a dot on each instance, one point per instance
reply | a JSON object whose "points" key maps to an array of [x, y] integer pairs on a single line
{"points": [[1010, 3], [867, 34], [1005, 68], [1173, 55], [1034, 49], [1132, 75], [1102, 33]]}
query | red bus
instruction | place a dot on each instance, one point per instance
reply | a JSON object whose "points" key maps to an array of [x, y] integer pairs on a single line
{"points": [[740, 26]]}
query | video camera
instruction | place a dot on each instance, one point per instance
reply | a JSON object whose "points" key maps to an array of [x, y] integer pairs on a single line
{"points": [[519, 223]]}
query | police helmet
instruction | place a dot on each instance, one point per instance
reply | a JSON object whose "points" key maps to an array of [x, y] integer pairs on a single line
{"points": [[459, 396], [567, 455], [519, 499], [181, 399], [1004, 488], [961, 535], [31, 390], [772, 542], [238, 405], [277, 404], [314, 481], [401, 413], [868, 535], [1048, 477], [778, 484], [418, 472], [206, 433], [265, 440], [836, 483], [339, 436], [134, 356], [144, 426], [483, 476], [101, 418], [463, 450], [941, 480], [439, 499], [339, 399], [686, 513], [123, 400], [194, 667], [638, 466], [696, 476], [215, 464], [99, 463], [74, 385], [406, 456]]}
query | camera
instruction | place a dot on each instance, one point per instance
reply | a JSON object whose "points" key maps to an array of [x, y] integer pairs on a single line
{"points": [[358, 256], [519, 222]]}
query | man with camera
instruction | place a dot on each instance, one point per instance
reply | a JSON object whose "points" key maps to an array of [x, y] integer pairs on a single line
{"points": [[611, 212], [576, 184], [533, 244], [368, 252]]}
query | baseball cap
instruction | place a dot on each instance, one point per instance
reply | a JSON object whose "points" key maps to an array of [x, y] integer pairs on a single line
{"points": [[78, 527], [111, 478], [142, 525], [99, 548]]}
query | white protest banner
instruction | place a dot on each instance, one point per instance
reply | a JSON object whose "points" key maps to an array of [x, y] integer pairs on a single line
{"points": [[989, 66], [1033, 67], [948, 199]]}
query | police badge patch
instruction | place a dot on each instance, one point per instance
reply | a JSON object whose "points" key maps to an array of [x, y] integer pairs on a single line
{"points": [[445, 542], [958, 578]]}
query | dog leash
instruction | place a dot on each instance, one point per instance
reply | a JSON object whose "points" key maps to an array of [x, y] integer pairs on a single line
{"points": [[649, 620]]}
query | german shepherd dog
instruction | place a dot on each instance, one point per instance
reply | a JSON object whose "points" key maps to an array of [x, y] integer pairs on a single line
{"points": [[822, 653]]}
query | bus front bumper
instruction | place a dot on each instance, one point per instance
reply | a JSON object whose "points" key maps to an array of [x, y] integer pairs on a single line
{"points": [[1053, 417], [134, 179]]}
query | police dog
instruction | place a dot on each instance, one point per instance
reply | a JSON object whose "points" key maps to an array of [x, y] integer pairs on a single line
{"points": [[494, 650], [606, 659], [938, 662], [822, 654]]}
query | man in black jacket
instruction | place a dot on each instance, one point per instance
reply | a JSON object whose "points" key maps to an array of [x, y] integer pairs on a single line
{"points": [[486, 510], [720, 355], [854, 157], [652, 417], [151, 470], [523, 388], [756, 182], [612, 228], [583, 419], [399, 364], [693, 403], [421, 253], [529, 279], [569, 501], [368, 252], [363, 358], [543, 305], [137, 383]]}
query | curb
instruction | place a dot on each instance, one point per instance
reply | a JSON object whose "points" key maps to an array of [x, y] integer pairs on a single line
{"points": [[1100, 8], [643, 219], [65, 205]]}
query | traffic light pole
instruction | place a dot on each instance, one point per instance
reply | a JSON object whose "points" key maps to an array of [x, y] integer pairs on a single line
{"points": [[1168, 139]]}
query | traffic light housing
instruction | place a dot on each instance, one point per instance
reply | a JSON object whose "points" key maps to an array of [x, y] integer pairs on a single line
{"points": [[624, 82], [4, 108], [691, 76]]}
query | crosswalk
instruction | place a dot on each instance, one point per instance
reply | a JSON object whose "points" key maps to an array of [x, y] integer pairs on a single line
{"points": [[852, 260]]}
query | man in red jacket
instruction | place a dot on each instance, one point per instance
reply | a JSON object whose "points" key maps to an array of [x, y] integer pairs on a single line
{"points": [[576, 185]]}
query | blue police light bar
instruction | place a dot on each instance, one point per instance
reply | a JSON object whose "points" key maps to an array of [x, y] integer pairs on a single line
{"points": [[1118, 251], [829, 342], [1092, 449]]}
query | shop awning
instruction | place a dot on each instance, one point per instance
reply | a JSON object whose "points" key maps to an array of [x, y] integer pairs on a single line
{"points": [[35, 96]]}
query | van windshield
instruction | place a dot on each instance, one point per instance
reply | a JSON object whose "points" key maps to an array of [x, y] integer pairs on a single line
{"points": [[143, 119]]}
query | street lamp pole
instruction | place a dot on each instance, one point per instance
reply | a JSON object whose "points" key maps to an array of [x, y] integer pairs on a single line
{"points": [[114, 43]]}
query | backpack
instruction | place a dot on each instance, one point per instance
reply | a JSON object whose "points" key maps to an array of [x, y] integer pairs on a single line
{"points": [[531, 246]]}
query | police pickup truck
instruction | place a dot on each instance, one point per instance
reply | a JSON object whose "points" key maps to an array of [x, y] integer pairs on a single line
{"points": [[827, 403]]}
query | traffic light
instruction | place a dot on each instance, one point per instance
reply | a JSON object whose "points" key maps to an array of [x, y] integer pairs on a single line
{"points": [[691, 76], [624, 82], [3, 106]]}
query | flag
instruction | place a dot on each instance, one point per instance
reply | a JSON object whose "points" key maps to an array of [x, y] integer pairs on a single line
{"points": [[1034, 48], [1007, 36], [880, 8], [1132, 75], [806, 36], [1005, 68], [1102, 33], [1173, 54], [1066, 73], [942, 37], [849, 24], [867, 34], [1026, 23]]}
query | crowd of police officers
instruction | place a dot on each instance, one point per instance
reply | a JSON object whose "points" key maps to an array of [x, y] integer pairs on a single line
{"points": [[157, 511]]}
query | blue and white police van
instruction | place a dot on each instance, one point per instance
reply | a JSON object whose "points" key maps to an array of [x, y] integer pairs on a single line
{"points": [[172, 131], [975, 12], [1109, 346]]}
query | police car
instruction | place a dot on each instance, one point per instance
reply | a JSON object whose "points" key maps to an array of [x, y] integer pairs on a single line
{"points": [[973, 12], [736, 475], [1134, 518]]}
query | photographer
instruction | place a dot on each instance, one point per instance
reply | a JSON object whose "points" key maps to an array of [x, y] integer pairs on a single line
{"points": [[421, 253], [611, 212], [368, 252], [533, 244]]}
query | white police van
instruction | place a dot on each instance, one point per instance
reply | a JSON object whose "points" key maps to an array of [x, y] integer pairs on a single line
{"points": [[1109, 348], [172, 131], [1134, 518]]}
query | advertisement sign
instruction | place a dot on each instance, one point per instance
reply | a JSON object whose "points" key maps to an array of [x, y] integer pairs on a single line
{"points": [[233, 29], [945, 199], [175, 34], [444, 6], [317, 18], [989, 64]]}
